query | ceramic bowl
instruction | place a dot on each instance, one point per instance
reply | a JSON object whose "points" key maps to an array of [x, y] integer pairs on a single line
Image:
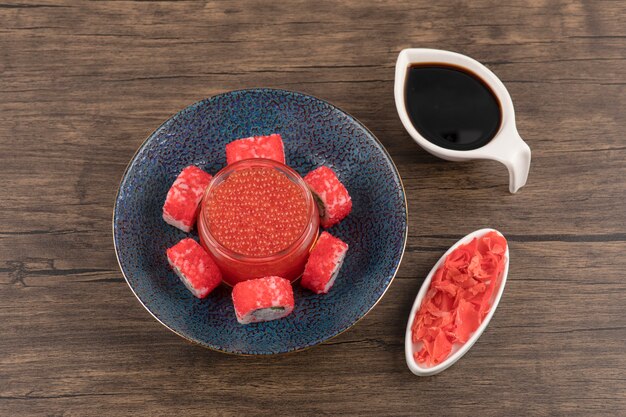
{"points": [[506, 147], [315, 133], [457, 350]]}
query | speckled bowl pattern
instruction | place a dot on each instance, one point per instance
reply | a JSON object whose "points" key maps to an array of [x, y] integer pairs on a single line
{"points": [[315, 133]]}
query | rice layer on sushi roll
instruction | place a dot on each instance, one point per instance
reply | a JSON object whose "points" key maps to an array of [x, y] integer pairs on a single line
{"points": [[262, 299], [195, 267], [267, 147], [324, 263], [332, 198], [183, 198]]}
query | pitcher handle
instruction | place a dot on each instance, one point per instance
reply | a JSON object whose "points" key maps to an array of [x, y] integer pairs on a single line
{"points": [[514, 153]]}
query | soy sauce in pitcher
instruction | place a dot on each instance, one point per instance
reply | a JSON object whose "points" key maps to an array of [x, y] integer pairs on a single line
{"points": [[451, 107]]}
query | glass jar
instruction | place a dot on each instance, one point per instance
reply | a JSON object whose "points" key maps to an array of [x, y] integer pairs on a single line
{"points": [[287, 263]]}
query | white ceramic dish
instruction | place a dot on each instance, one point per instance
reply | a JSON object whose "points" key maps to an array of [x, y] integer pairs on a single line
{"points": [[457, 351], [506, 146]]}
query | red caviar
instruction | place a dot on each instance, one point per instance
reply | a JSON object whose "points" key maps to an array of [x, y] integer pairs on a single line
{"points": [[459, 297], [258, 219], [257, 212]]}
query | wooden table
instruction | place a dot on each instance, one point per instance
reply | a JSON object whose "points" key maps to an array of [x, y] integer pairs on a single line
{"points": [[82, 85]]}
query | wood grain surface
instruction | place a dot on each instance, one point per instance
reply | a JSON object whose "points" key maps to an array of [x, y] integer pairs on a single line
{"points": [[82, 85]]}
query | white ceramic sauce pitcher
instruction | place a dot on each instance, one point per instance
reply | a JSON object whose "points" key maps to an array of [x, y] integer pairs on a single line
{"points": [[506, 146]]}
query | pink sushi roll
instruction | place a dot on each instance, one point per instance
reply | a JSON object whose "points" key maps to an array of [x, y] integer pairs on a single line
{"points": [[332, 198], [195, 267], [183, 199], [324, 263], [262, 299], [267, 147]]}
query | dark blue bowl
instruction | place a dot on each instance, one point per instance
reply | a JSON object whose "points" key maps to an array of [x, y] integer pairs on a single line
{"points": [[315, 133]]}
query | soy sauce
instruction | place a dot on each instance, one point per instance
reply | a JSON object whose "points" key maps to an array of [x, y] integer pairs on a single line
{"points": [[451, 107]]}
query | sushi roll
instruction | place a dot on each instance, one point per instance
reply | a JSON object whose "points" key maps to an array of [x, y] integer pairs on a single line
{"points": [[324, 263], [195, 267], [332, 198], [183, 199], [262, 299], [267, 147]]}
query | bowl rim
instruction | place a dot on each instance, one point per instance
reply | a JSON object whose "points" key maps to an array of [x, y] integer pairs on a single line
{"points": [[249, 90]]}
